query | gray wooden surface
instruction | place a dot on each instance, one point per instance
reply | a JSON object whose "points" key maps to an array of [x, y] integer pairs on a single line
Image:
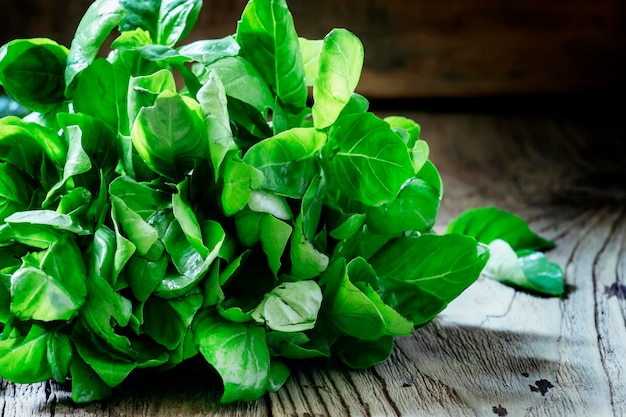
{"points": [[494, 351]]}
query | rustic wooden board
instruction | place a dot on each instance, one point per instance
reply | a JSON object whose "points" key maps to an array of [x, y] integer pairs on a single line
{"points": [[495, 351], [424, 48]]}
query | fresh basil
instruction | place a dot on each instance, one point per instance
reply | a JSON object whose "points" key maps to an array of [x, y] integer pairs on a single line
{"points": [[171, 201]]}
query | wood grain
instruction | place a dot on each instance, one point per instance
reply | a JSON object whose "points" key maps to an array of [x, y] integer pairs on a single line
{"points": [[494, 351], [424, 48]]}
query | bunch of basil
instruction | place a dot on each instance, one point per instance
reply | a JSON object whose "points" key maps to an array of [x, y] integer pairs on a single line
{"points": [[146, 218]]}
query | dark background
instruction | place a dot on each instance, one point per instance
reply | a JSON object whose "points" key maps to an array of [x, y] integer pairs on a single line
{"points": [[427, 49]]}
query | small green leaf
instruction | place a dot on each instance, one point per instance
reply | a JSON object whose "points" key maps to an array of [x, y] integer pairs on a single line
{"points": [[167, 321], [240, 179], [274, 235], [60, 353], [290, 307], [527, 269]]}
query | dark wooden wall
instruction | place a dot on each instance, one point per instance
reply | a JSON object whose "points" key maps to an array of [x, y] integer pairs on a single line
{"points": [[425, 48]]}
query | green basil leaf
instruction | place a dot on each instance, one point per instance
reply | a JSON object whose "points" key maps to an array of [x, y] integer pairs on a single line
{"points": [[370, 162], [95, 26], [274, 235], [167, 21], [144, 90], [31, 72], [306, 261], [290, 307], [171, 135], [310, 49], [288, 160], [240, 179], [60, 353], [297, 345], [417, 267], [212, 98], [112, 368], [166, 321], [23, 357], [207, 51], [238, 352], [414, 209], [489, 223], [96, 93], [268, 38], [242, 81], [87, 386], [349, 310], [26, 145], [15, 190], [340, 65], [144, 275], [361, 354], [50, 286], [526, 269], [279, 373], [104, 311]]}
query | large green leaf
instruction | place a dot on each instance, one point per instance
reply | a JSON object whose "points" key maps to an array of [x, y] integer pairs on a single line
{"points": [[171, 135], [242, 81], [431, 269], [50, 285], [15, 190], [414, 209], [167, 321], [489, 223], [95, 26], [23, 357], [167, 21], [340, 65], [288, 161], [238, 352], [207, 51], [347, 308], [26, 145], [369, 162], [268, 38], [31, 72]]}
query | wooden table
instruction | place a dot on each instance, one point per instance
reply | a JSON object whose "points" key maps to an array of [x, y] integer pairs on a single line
{"points": [[494, 351]]}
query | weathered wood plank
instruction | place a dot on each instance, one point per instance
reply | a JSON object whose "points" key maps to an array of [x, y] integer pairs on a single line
{"points": [[425, 48], [494, 351]]}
